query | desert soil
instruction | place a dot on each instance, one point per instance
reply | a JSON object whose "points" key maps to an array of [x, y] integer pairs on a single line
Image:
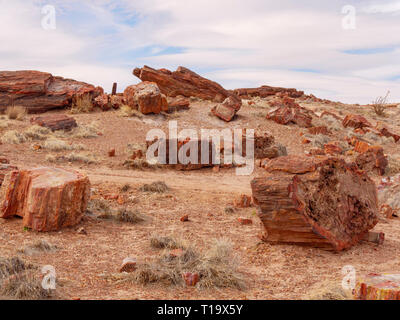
{"points": [[83, 262]]}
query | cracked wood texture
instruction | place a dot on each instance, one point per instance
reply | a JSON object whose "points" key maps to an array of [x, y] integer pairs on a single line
{"points": [[316, 201]]}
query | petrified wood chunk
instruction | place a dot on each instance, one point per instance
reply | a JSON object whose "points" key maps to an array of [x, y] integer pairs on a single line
{"points": [[183, 82], [373, 159], [228, 109], [288, 111], [318, 201], [47, 199], [355, 121], [55, 122], [266, 91], [4, 169], [378, 286]]}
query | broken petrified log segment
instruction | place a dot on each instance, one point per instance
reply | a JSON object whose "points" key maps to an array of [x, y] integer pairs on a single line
{"points": [[55, 122], [228, 109], [146, 97], [182, 82], [181, 149], [47, 199], [355, 121], [266, 91], [178, 104], [288, 111], [378, 286], [4, 169], [114, 89], [40, 91], [264, 146], [316, 201]]}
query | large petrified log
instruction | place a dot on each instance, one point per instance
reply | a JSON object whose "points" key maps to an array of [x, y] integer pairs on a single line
{"points": [[5, 168], [182, 82], [378, 286], [40, 91], [146, 97], [266, 91], [55, 122], [47, 199], [317, 201]]}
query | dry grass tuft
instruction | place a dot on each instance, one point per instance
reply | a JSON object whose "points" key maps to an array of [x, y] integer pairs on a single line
{"points": [[217, 268], [99, 207], [126, 187], [393, 167], [81, 132], [16, 112], [38, 247], [328, 291], [141, 164], [26, 285], [82, 104], [73, 157], [127, 111], [161, 242], [54, 144], [12, 266], [129, 216], [37, 133], [155, 187], [13, 137]]}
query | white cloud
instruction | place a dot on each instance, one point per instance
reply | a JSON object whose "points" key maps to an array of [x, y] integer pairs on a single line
{"points": [[390, 7], [250, 42]]}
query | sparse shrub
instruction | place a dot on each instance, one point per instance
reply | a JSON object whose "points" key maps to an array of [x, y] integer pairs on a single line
{"points": [[11, 266], [328, 291], [16, 112], [155, 187], [37, 247], [129, 216], [54, 144], [36, 133], [72, 157], [13, 137], [126, 187], [161, 242], [81, 132], [82, 104], [140, 164], [217, 268], [379, 105], [99, 207], [393, 167]]}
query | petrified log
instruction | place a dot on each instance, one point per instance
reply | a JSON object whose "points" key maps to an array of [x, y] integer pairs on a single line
{"points": [[183, 82], [146, 97], [40, 91], [173, 148], [228, 109], [266, 91], [103, 102], [4, 169], [55, 122], [378, 286], [178, 104], [316, 201], [47, 199], [264, 146]]}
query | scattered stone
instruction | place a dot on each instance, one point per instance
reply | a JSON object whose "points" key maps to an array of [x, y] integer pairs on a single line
{"points": [[185, 218], [373, 160], [103, 102], [128, 265], [47, 199], [243, 201], [388, 212], [288, 111], [228, 109], [111, 153], [319, 130], [355, 121], [146, 97], [244, 221], [333, 148], [81, 230], [191, 279], [55, 122]]}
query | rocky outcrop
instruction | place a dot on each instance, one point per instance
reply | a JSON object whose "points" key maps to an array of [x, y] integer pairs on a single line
{"points": [[146, 97], [55, 122], [40, 91], [47, 199], [266, 91], [316, 201], [183, 82]]}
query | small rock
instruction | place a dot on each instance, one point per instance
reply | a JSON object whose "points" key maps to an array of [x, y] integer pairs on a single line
{"points": [[81, 231], [128, 265], [111, 153], [191, 279], [185, 218], [244, 221], [243, 201]]}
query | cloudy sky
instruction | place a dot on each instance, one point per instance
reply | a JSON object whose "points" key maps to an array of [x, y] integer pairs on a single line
{"points": [[313, 45]]}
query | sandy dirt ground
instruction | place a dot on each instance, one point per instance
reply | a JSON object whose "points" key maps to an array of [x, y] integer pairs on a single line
{"points": [[271, 272]]}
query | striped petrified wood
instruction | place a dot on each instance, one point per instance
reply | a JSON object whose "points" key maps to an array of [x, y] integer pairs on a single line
{"points": [[317, 201], [378, 286]]}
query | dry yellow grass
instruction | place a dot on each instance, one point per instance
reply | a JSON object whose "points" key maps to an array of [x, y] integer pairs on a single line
{"points": [[328, 291], [16, 112], [13, 137], [82, 104], [72, 157], [54, 144], [127, 111]]}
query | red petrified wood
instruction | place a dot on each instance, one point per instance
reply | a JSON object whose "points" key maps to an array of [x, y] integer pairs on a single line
{"points": [[288, 111], [317, 201], [47, 199], [55, 122]]}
